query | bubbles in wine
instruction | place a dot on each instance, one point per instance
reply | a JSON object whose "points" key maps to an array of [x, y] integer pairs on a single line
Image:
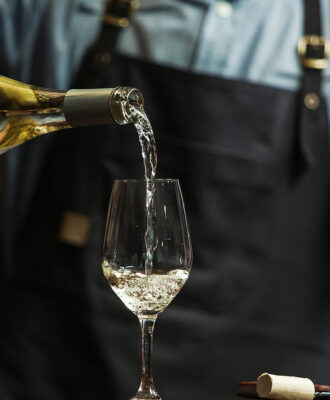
{"points": [[145, 294]]}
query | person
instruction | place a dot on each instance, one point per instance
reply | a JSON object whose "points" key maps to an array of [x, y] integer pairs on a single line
{"points": [[41, 46], [221, 82]]}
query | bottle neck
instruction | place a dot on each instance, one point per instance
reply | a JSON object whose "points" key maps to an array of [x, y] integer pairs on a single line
{"points": [[27, 111], [18, 98], [85, 107]]}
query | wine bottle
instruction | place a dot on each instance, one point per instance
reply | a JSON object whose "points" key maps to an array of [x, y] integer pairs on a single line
{"points": [[28, 111]]}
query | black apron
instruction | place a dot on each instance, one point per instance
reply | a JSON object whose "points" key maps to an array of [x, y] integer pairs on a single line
{"points": [[257, 298]]}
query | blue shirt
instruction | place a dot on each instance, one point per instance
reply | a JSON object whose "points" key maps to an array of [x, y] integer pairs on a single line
{"points": [[253, 40]]}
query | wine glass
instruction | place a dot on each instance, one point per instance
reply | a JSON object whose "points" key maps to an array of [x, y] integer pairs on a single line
{"points": [[147, 256]]}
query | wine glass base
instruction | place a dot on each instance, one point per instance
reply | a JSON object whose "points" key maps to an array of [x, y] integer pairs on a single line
{"points": [[150, 394]]}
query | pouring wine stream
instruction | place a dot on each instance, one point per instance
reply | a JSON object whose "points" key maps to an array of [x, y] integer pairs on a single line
{"points": [[149, 156]]}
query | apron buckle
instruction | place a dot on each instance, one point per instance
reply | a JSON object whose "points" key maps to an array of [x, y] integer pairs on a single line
{"points": [[119, 12], [313, 51]]}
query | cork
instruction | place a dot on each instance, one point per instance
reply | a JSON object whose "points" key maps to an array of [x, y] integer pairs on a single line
{"points": [[285, 387]]}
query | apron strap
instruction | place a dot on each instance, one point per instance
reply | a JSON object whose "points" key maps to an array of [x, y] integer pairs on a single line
{"points": [[313, 53], [118, 12], [95, 65], [117, 15]]}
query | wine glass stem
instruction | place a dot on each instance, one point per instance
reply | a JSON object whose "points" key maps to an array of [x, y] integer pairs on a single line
{"points": [[147, 389]]}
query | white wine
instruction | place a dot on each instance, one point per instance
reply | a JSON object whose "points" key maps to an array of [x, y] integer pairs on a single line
{"points": [[27, 111], [145, 295]]}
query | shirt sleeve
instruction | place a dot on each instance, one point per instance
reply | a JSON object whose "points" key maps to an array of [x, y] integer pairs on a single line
{"points": [[42, 41]]}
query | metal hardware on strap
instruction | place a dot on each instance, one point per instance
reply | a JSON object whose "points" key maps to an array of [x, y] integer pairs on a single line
{"points": [[118, 12], [313, 51]]}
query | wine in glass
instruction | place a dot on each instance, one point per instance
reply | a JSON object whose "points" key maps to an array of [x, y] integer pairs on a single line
{"points": [[146, 258]]}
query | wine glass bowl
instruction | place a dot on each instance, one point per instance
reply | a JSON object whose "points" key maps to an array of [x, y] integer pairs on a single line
{"points": [[147, 255]]}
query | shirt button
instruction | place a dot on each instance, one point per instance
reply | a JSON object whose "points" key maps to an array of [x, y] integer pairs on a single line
{"points": [[224, 9]]}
